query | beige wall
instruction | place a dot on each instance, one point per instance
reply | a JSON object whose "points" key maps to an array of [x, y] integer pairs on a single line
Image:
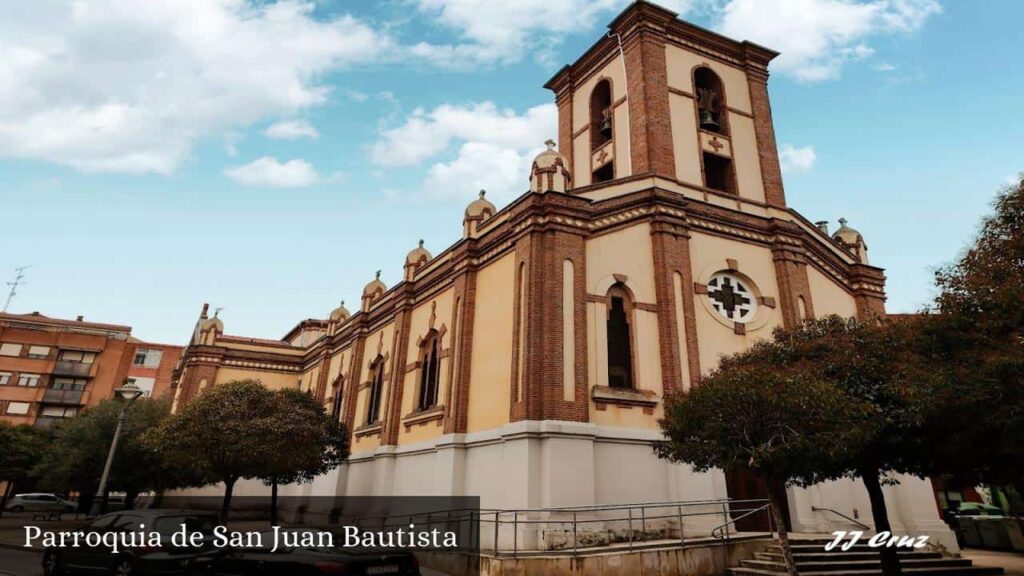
{"points": [[272, 380], [581, 118], [746, 161], [828, 298], [491, 364], [715, 335]]}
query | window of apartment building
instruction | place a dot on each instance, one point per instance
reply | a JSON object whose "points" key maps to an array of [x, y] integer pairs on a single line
{"points": [[58, 411], [146, 384], [38, 351], [28, 380], [147, 358], [10, 349], [18, 408], [77, 356], [74, 384], [5, 378]]}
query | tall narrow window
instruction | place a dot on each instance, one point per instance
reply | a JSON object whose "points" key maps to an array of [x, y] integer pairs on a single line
{"points": [[339, 388], [376, 388], [601, 131], [620, 343], [712, 112], [430, 371], [600, 114]]}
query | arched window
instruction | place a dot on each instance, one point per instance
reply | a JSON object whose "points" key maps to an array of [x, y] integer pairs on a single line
{"points": [[376, 388], [600, 114], [620, 338], [602, 125], [339, 387], [711, 108], [430, 371]]}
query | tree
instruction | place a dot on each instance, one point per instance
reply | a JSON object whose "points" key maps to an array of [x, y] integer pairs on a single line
{"points": [[879, 365], [304, 443], [75, 457], [783, 427], [221, 436], [978, 334], [21, 447]]}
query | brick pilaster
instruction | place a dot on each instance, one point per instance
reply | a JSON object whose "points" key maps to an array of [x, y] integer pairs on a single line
{"points": [[463, 316], [764, 130], [650, 128]]}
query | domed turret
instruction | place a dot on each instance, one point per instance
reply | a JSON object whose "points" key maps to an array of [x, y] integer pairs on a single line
{"points": [[852, 240], [477, 213], [340, 314], [373, 291], [550, 171], [207, 329], [417, 257]]}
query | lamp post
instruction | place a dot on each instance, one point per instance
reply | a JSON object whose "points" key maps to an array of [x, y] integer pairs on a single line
{"points": [[126, 394]]}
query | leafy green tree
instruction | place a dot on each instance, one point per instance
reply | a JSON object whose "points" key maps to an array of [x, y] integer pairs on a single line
{"points": [[879, 365], [21, 447], [783, 427], [75, 457], [304, 443], [978, 336], [221, 436]]}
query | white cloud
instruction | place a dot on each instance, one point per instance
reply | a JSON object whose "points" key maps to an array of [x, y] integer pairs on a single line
{"points": [[267, 171], [128, 86], [425, 134], [885, 67], [795, 160], [495, 147], [815, 37], [503, 32], [291, 130]]}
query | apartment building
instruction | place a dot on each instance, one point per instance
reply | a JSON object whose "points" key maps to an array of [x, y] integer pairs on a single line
{"points": [[52, 368]]}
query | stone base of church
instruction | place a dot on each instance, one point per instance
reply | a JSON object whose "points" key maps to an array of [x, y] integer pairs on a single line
{"points": [[548, 464]]}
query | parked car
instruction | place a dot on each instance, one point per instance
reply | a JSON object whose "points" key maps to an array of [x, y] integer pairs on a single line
{"points": [[39, 502], [312, 561], [165, 559]]}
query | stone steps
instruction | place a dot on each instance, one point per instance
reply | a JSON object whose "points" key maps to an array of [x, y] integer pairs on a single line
{"points": [[861, 560]]}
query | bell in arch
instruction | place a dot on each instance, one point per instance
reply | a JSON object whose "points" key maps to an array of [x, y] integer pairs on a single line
{"points": [[606, 123], [707, 106]]}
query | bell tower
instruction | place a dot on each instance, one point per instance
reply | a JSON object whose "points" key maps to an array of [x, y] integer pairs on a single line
{"points": [[658, 96]]}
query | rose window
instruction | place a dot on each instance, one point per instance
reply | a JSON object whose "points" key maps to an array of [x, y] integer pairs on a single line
{"points": [[732, 297]]}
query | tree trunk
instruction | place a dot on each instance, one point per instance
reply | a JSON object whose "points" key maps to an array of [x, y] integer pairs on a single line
{"points": [[776, 488], [8, 490], [273, 502], [225, 508], [888, 556]]}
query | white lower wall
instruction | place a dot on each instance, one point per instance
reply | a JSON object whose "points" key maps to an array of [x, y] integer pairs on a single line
{"points": [[549, 464]]}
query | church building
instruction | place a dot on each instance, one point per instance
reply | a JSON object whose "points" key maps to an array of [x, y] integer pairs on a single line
{"points": [[528, 362]]}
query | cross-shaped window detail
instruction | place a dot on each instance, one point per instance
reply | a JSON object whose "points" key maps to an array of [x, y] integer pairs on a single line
{"points": [[731, 297]]}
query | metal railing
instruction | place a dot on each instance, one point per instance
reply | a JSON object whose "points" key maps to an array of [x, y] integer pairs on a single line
{"points": [[838, 513], [513, 532]]}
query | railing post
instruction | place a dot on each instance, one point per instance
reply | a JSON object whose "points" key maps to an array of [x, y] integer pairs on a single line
{"points": [[575, 537], [643, 522], [515, 533], [771, 524], [630, 530], [496, 532], [679, 509], [725, 518]]}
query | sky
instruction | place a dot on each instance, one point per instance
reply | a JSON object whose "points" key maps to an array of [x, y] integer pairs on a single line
{"points": [[268, 156]]}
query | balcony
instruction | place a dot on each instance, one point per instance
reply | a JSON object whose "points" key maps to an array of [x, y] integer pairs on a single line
{"points": [[66, 368], [72, 397]]}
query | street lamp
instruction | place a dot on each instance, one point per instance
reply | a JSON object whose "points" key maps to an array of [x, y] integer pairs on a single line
{"points": [[126, 394]]}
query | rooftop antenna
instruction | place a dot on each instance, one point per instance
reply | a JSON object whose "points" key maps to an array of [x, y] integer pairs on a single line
{"points": [[18, 277]]}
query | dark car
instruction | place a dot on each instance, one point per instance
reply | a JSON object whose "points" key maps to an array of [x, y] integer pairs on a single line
{"points": [[309, 561], [163, 560]]}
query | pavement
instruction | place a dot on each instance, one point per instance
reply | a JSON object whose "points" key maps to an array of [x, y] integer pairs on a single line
{"points": [[1011, 562]]}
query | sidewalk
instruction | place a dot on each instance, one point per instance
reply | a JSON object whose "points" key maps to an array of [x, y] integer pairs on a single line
{"points": [[1011, 562]]}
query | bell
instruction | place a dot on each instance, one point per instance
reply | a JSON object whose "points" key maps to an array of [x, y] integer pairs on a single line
{"points": [[707, 120], [606, 128]]}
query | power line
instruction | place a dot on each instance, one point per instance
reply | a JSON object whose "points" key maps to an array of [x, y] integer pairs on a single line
{"points": [[18, 281]]}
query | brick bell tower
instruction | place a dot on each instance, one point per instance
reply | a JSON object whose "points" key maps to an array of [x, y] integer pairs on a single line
{"points": [[659, 96]]}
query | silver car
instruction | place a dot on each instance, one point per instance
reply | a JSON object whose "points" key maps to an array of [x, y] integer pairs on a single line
{"points": [[39, 502]]}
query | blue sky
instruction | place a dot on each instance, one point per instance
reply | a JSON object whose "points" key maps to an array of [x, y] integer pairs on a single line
{"points": [[268, 157]]}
